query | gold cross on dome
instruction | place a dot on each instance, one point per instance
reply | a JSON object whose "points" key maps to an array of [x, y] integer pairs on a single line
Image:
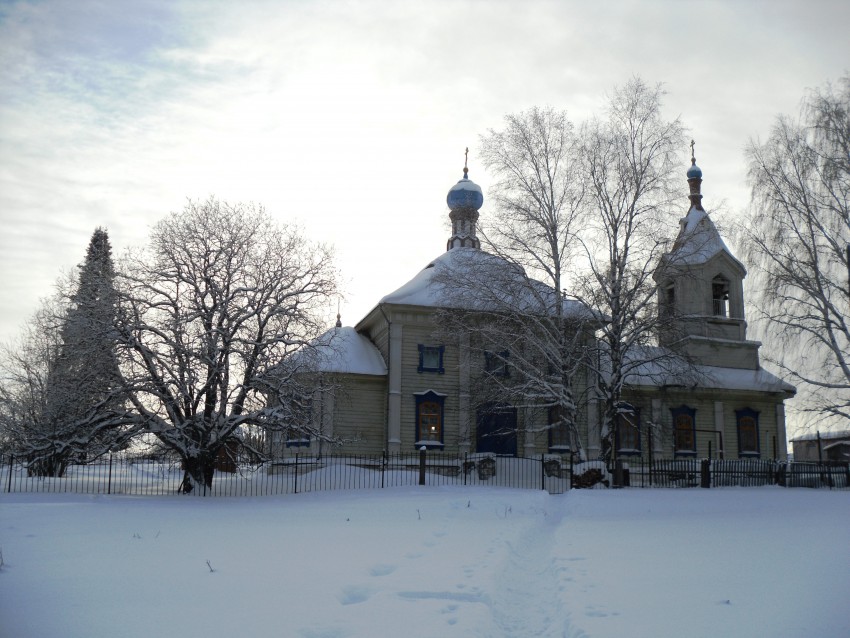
{"points": [[693, 157], [465, 157]]}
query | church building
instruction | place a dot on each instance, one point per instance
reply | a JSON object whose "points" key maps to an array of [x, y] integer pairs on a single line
{"points": [[391, 384]]}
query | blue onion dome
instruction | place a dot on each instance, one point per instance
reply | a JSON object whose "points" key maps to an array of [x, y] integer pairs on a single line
{"points": [[694, 171], [465, 194]]}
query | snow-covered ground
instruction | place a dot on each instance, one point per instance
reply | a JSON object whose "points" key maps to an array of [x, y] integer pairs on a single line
{"points": [[429, 561]]}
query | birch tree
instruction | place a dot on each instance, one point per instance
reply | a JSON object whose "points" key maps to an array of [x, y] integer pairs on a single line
{"points": [[528, 334], [797, 239], [629, 164], [207, 316]]}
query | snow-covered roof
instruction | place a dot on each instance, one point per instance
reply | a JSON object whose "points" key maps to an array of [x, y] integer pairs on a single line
{"points": [[708, 377], [741, 379], [658, 366], [479, 280], [824, 436], [698, 240], [344, 350], [836, 445]]}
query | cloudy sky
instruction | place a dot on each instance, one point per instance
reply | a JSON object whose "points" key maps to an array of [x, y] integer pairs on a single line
{"points": [[350, 118]]}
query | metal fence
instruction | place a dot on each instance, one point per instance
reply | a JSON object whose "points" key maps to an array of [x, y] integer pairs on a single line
{"points": [[730, 473], [124, 474], [121, 474]]}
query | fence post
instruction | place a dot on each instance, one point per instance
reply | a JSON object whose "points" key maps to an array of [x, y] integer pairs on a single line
{"points": [[295, 486], [383, 467], [465, 466], [543, 472], [11, 465], [618, 473], [705, 473], [422, 465], [109, 479]]}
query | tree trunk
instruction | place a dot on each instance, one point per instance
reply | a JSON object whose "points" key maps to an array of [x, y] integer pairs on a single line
{"points": [[53, 465], [198, 472]]}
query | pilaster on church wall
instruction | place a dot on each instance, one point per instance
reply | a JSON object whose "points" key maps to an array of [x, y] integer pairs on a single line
{"points": [[780, 430], [464, 416], [394, 389]]}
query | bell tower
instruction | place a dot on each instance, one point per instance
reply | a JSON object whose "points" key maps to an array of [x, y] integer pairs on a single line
{"points": [[701, 291]]}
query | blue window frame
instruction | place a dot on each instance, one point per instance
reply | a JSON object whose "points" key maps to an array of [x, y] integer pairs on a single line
{"points": [[684, 431], [297, 439], [431, 359], [748, 432], [627, 432], [496, 363], [429, 419]]}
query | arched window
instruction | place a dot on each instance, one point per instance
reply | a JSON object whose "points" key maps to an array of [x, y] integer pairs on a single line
{"points": [[748, 432], [628, 429], [684, 431], [720, 296], [429, 419]]}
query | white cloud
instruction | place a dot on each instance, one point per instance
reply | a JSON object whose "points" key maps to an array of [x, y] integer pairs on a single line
{"points": [[350, 117]]}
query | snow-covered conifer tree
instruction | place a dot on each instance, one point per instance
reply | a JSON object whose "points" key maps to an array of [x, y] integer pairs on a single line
{"points": [[63, 396]]}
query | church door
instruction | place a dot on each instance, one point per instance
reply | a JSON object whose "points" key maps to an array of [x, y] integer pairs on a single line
{"points": [[497, 429]]}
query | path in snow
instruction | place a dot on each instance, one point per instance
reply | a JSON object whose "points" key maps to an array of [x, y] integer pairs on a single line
{"points": [[529, 600]]}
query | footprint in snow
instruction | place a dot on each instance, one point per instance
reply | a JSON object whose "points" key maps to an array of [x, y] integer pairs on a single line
{"points": [[382, 570], [354, 594]]}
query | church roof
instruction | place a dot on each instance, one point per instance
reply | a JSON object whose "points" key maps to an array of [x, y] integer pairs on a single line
{"points": [[742, 379], [344, 350], [473, 279], [657, 366], [699, 241]]}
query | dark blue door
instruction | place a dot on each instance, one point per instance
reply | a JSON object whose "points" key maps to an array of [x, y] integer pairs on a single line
{"points": [[497, 429]]}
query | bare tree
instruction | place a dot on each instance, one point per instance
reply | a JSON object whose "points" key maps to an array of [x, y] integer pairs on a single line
{"points": [[528, 340], [798, 243], [27, 365], [208, 314], [512, 303], [628, 161], [48, 416], [537, 194]]}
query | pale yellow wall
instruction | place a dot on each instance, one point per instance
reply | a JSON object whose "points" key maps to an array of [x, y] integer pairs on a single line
{"points": [[704, 403], [360, 414], [419, 329]]}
